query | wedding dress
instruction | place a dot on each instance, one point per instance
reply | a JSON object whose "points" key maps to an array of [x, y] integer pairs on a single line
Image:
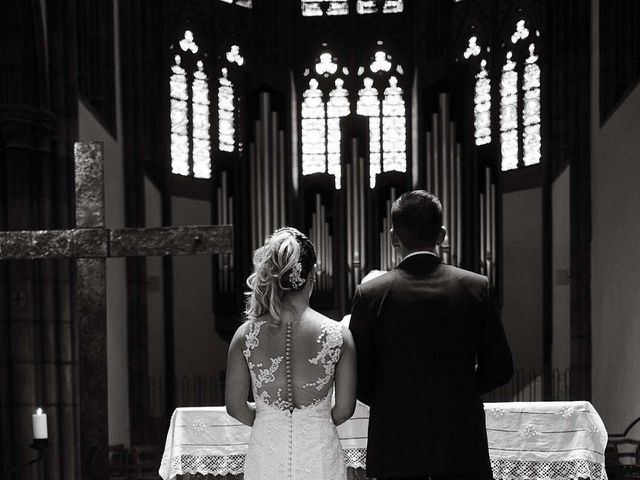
{"points": [[292, 369]]}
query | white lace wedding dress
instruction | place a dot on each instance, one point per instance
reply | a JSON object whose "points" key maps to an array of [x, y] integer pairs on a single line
{"points": [[292, 368]]}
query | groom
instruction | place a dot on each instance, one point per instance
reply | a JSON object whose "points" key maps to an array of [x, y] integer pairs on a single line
{"points": [[429, 342]]}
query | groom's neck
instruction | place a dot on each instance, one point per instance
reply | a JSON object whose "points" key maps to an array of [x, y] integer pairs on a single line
{"points": [[404, 251]]}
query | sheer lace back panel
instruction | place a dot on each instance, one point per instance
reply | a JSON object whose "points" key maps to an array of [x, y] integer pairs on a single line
{"points": [[292, 364]]}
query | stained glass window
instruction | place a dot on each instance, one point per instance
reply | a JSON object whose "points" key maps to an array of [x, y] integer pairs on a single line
{"points": [[394, 129], [387, 118], [189, 112], [240, 3], [337, 107], [482, 95], [531, 109], [179, 119], [509, 114], [369, 106], [482, 106], [227, 101], [313, 114], [526, 90], [321, 112], [371, 6], [226, 113], [317, 8]]}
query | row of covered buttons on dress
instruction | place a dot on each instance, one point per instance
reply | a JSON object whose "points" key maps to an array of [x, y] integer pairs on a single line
{"points": [[287, 357]]}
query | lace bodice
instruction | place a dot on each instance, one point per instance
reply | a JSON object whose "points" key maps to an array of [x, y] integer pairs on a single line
{"points": [[292, 365]]}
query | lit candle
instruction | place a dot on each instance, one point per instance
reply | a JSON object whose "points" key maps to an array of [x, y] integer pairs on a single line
{"points": [[39, 425]]}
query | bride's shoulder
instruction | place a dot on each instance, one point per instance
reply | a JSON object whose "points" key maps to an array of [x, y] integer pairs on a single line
{"points": [[327, 324], [247, 329]]}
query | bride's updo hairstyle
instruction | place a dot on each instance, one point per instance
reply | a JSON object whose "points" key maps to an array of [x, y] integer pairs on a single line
{"points": [[281, 265]]}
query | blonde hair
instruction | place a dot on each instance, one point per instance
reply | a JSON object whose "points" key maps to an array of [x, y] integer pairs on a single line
{"points": [[276, 271]]}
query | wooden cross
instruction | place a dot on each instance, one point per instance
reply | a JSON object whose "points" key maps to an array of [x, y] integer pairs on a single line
{"points": [[90, 243]]}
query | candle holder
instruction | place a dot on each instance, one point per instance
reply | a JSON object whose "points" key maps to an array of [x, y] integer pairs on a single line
{"points": [[40, 445]]}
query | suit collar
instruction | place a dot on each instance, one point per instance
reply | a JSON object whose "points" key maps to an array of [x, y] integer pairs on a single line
{"points": [[420, 261]]}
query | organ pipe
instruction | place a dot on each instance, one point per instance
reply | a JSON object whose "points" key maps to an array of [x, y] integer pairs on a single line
{"points": [[322, 239], [389, 258], [488, 232], [443, 177], [355, 190], [267, 176]]}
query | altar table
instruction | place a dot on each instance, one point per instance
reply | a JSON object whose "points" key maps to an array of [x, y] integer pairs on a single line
{"points": [[542, 440]]}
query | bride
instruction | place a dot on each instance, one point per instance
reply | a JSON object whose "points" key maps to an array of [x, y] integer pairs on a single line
{"points": [[292, 356]]}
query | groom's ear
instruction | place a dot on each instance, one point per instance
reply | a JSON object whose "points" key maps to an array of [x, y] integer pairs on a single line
{"points": [[395, 241], [441, 236]]}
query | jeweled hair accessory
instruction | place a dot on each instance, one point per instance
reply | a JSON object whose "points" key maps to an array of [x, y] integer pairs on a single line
{"points": [[294, 277]]}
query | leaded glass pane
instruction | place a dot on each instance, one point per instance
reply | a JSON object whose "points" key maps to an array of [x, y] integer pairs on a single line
{"points": [[314, 8], [338, 106], [394, 128], [509, 115], [240, 3], [473, 49], [226, 124], [179, 119], [521, 32], [531, 109], [201, 139], [369, 106], [313, 130], [482, 106], [364, 7]]}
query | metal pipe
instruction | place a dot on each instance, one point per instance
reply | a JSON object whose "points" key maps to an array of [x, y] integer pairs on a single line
{"points": [[282, 183], [253, 196], [361, 217], [273, 165], [459, 202], [428, 181], [451, 160], [443, 100], [487, 199], [482, 234], [258, 180], [493, 232], [436, 153], [265, 159]]}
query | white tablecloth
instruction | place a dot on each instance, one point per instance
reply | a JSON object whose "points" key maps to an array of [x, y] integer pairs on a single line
{"points": [[542, 440]]}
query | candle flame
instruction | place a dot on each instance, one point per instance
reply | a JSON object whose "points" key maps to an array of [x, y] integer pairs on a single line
{"points": [[39, 411]]}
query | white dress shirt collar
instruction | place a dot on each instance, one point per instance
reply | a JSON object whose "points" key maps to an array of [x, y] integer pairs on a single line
{"points": [[420, 252]]}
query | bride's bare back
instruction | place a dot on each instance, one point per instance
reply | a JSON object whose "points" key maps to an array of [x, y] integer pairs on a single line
{"points": [[292, 363]]}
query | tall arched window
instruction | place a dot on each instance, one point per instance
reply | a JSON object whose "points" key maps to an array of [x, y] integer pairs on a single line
{"points": [[321, 111], [509, 114], [317, 8], [227, 110], [189, 111], [482, 94], [372, 6], [387, 125], [520, 131], [240, 3]]}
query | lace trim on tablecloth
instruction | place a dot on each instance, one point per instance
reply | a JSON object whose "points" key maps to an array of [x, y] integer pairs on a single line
{"points": [[525, 470], [207, 464], [234, 464], [355, 457]]}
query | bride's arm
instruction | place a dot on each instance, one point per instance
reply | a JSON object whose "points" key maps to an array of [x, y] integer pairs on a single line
{"points": [[345, 380], [238, 382]]}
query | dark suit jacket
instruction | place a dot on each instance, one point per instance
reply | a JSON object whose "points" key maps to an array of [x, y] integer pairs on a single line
{"points": [[419, 331]]}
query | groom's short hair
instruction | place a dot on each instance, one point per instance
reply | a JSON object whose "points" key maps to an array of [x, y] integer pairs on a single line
{"points": [[417, 218]]}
